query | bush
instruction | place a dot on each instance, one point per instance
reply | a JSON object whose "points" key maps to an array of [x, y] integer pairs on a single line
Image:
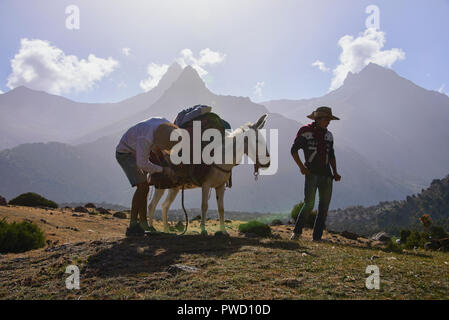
{"points": [[32, 199], [404, 235], [256, 227], [20, 237], [437, 232], [392, 246], [309, 219], [276, 222], [416, 239]]}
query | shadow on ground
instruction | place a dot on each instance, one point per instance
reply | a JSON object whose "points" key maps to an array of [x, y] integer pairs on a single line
{"points": [[156, 252]]}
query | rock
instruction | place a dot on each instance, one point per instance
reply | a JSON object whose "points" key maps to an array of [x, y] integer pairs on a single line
{"points": [[290, 282], [89, 205], [381, 236], [349, 235], [251, 235], [81, 209], [3, 201], [103, 210], [275, 236], [441, 244], [276, 222], [77, 215], [120, 215], [175, 268]]}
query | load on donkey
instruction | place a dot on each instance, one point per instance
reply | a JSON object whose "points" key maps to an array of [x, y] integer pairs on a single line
{"points": [[244, 140]]}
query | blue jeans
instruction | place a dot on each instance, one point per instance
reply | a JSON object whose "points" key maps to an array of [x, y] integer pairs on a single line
{"points": [[324, 186]]}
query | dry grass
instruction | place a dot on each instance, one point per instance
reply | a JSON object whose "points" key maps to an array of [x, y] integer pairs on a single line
{"points": [[113, 267]]}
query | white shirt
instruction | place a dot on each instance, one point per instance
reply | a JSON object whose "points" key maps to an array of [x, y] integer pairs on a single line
{"points": [[138, 140]]}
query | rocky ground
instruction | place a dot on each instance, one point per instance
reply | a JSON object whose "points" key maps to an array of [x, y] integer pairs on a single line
{"points": [[167, 266]]}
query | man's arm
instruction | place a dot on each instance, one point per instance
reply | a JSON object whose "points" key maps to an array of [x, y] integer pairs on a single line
{"points": [[143, 149], [333, 163], [294, 152]]}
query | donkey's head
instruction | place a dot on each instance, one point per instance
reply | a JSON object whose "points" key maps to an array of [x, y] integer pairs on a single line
{"points": [[256, 145]]}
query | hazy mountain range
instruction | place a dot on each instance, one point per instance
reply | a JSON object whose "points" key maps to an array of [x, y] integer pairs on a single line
{"points": [[392, 216], [388, 125]]}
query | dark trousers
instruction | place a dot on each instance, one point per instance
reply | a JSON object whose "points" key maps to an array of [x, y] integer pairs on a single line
{"points": [[324, 186]]}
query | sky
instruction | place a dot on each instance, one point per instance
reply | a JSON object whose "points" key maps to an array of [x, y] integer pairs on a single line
{"points": [[107, 51]]}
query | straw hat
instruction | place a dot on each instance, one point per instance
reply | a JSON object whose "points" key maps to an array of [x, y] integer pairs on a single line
{"points": [[322, 112]]}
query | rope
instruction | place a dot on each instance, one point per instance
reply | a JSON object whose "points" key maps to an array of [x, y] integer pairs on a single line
{"points": [[185, 212]]}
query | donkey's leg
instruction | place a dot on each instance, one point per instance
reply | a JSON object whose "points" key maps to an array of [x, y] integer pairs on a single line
{"points": [[204, 205], [158, 193], [166, 205], [220, 204]]}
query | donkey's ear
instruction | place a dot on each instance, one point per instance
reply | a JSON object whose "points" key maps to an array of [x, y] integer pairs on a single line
{"points": [[262, 124], [259, 123]]}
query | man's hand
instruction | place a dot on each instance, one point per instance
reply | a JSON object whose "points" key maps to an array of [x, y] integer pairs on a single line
{"points": [[337, 177], [304, 170]]}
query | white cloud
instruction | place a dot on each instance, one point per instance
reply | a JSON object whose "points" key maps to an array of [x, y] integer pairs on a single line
{"points": [[258, 89], [41, 66], [359, 52], [155, 73], [206, 58], [126, 51], [441, 89], [320, 65], [1, 92]]}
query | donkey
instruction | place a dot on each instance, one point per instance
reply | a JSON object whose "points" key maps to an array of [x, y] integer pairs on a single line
{"points": [[220, 173]]}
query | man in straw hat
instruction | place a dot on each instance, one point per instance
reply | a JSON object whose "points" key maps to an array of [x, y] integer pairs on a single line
{"points": [[318, 145], [132, 153]]}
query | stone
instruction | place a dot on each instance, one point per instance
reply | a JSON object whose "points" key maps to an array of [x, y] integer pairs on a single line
{"points": [[90, 205], [349, 235], [103, 210], [120, 215], [81, 209], [175, 268], [381, 236]]}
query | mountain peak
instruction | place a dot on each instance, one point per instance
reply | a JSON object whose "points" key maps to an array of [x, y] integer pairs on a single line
{"points": [[189, 79], [172, 74], [371, 73]]}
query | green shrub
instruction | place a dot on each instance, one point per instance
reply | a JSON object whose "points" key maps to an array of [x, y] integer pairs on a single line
{"points": [[20, 237], [416, 239], [392, 246], [32, 199], [309, 219], [404, 235], [276, 222], [437, 232], [256, 227]]}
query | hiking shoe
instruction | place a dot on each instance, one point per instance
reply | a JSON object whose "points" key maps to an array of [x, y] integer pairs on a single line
{"points": [[295, 236], [134, 230]]}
